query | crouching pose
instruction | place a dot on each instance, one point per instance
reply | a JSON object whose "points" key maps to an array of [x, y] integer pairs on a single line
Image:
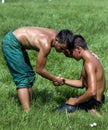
{"points": [[92, 78]]}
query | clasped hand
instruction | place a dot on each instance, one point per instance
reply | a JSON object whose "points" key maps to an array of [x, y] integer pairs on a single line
{"points": [[59, 81]]}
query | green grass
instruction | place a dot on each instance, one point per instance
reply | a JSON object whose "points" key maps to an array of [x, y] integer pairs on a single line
{"points": [[86, 17]]}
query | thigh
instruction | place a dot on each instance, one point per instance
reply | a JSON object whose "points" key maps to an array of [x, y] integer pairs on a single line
{"points": [[26, 58], [19, 66], [17, 60]]}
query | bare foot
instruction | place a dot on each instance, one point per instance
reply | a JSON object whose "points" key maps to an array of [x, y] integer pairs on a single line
{"points": [[94, 112]]}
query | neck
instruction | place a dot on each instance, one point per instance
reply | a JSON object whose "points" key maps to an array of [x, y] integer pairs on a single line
{"points": [[53, 43], [82, 52], [85, 54]]}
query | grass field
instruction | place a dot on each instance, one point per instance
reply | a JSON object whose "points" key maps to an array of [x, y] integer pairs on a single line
{"points": [[86, 17]]}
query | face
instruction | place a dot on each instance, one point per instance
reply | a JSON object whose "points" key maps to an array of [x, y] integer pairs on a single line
{"points": [[60, 47], [75, 53]]}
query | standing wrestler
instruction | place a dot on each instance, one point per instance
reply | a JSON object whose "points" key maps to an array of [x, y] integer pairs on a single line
{"points": [[14, 47]]}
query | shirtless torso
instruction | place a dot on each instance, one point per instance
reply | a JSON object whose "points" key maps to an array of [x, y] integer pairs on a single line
{"points": [[93, 75], [35, 37]]}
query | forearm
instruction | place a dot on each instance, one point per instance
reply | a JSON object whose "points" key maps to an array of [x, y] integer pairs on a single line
{"points": [[44, 73], [73, 83], [86, 96]]}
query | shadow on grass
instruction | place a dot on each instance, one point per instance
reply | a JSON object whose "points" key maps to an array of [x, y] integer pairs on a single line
{"points": [[59, 95], [45, 96]]}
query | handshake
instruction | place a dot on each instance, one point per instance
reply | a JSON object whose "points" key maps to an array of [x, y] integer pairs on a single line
{"points": [[59, 81]]}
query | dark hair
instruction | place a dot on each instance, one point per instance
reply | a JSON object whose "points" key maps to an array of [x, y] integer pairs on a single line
{"points": [[78, 40], [65, 36]]}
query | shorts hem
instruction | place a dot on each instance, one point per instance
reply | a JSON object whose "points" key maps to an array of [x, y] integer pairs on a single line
{"points": [[28, 86]]}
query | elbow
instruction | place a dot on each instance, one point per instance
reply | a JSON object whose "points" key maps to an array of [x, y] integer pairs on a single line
{"points": [[93, 93]]}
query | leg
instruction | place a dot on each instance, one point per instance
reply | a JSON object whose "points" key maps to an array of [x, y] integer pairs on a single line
{"points": [[30, 93], [20, 68], [24, 97]]}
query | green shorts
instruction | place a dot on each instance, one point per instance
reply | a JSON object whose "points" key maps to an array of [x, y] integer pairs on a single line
{"points": [[18, 61]]}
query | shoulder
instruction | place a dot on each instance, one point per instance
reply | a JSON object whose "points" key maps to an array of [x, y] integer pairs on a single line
{"points": [[45, 46], [90, 67]]}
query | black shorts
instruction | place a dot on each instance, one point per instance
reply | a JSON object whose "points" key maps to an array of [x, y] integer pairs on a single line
{"points": [[91, 104]]}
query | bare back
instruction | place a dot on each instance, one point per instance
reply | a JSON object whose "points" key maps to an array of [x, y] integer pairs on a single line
{"points": [[34, 37], [97, 72], [41, 40]]}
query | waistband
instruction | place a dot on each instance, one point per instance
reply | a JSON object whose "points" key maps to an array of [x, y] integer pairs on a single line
{"points": [[10, 37]]}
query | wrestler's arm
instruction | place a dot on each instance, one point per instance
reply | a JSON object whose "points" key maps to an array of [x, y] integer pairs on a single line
{"points": [[91, 88], [74, 83], [40, 65]]}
